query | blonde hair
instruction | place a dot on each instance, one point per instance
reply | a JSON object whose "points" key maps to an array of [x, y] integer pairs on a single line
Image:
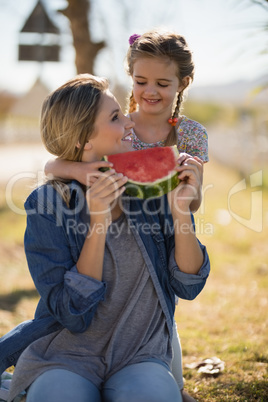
{"points": [[67, 118], [162, 44]]}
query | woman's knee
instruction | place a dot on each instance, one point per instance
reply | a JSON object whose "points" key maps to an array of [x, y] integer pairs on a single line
{"points": [[142, 382], [62, 385]]}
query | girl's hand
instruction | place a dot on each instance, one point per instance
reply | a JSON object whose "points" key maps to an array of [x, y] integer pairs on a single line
{"points": [[183, 158], [191, 176], [106, 189]]}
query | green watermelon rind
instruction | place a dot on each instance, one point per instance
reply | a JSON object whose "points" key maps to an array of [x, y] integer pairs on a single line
{"points": [[156, 189]]}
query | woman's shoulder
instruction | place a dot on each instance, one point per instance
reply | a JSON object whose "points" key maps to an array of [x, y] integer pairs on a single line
{"points": [[43, 193], [46, 198]]}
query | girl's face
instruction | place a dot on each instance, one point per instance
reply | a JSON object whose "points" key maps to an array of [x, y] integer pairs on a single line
{"points": [[155, 84], [110, 129]]}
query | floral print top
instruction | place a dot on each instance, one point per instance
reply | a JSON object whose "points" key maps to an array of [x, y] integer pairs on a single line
{"points": [[192, 139]]}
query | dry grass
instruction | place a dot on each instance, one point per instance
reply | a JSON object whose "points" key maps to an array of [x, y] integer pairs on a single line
{"points": [[228, 319], [17, 293]]}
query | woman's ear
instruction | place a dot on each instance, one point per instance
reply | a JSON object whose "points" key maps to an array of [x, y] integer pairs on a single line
{"points": [[87, 146]]}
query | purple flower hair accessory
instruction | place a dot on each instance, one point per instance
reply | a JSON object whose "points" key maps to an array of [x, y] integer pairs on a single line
{"points": [[132, 39]]}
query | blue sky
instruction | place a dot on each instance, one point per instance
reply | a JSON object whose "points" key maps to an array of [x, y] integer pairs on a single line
{"points": [[225, 35]]}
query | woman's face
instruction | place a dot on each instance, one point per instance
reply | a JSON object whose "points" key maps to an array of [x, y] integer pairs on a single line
{"points": [[110, 129]]}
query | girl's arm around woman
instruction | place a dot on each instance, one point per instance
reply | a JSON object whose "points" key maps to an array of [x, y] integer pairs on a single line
{"points": [[190, 256]]}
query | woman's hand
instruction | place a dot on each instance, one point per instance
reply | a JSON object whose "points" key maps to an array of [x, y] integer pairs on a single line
{"points": [[100, 198], [106, 189]]}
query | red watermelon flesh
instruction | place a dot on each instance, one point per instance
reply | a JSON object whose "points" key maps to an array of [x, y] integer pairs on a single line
{"points": [[146, 165]]}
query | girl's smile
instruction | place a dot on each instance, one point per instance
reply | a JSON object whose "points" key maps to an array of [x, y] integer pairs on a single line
{"points": [[152, 101]]}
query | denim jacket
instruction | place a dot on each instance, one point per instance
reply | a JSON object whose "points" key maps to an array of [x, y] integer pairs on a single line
{"points": [[53, 240]]}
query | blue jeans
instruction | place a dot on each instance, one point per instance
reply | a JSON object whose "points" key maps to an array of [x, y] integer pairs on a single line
{"points": [[142, 382]]}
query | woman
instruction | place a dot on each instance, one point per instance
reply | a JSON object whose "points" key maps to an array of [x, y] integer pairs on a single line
{"points": [[108, 282]]}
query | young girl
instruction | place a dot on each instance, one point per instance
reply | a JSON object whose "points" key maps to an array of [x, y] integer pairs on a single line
{"points": [[161, 66], [108, 283]]}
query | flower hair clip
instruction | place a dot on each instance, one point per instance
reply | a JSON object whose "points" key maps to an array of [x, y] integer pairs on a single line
{"points": [[133, 38]]}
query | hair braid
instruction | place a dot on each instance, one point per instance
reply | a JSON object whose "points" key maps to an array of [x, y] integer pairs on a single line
{"points": [[132, 104], [178, 105], [172, 138]]}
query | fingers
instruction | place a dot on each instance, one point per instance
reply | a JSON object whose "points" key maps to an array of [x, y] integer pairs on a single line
{"points": [[108, 184], [91, 177], [190, 176], [190, 165], [99, 164], [186, 159], [182, 158], [104, 192], [199, 160]]}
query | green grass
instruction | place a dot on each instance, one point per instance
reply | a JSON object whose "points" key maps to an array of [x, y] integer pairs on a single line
{"points": [[228, 319]]}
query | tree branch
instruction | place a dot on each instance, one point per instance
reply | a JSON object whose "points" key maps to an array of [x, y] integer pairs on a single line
{"points": [[85, 49]]}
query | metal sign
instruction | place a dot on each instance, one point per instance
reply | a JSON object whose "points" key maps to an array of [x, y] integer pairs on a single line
{"points": [[39, 53], [40, 23]]}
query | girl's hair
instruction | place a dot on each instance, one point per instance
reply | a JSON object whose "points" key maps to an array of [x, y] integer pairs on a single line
{"points": [[67, 119], [162, 44]]}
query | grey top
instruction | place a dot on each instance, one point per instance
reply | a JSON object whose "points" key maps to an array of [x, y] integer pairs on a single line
{"points": [[129, 326]]}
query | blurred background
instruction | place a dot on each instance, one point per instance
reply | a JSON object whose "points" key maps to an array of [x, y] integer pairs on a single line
{"points": [[43, 43]]}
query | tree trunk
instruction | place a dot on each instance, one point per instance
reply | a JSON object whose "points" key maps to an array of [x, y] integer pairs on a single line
{"points": [[77, 12]]}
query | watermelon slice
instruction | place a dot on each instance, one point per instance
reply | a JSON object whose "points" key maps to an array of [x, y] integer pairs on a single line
{"points": [[151, 172]]}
